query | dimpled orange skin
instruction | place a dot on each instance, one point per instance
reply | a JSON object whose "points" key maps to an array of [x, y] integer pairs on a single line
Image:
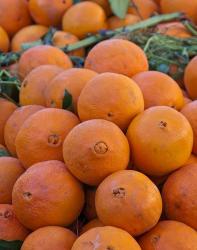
{"points": [[123, 103], [91, 224], [72, 80], [4, 40], [48, 238], [176, 29], [117, 56], [26, 35], [161, 140], [10, 228], [89, 208], [6, 109], [48, 12], [159, 89], [41, 55], [133, 202], [15, 122], [14, 15], [10, 170], [100, 238], [42, 135], [190, 78], [115, 22], [91, 151], [34, 85], [169, 235], [77, 19], [47, 195]]}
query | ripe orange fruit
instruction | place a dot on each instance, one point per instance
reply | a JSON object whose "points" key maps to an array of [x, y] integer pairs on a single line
{"points": [[4, 40], [14, 15], [91, 224], [10, 170], [190, 112], [47, 195], [15, 122], [115, 22], [112, 97], [186, 100], [91, 151], [41, 136], [192, 160], [133, 202], [176, 29], [10, 228], [48, 12], [73, 81], [179, 196], [117, 56], [50, 237], [108, 238], [169, 235], [159, 89], [34, 85], [6, 109], [27, 34], [41, 55], [166, 146], [77, 19], [89, 208], [104, 4], [190, 78]]}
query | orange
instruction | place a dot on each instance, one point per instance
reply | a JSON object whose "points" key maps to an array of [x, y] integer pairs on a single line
{"points": [[129, 200], [159, 89], [48, 12], [169, 235], [84, 18], [4, 40], [187, 100], [40, 55], [192, 159], [47, 195], [89, 208], [26, 35], [190, 78], [72, 81], [117, 56], [48, 238], [115, 22], [112, 97], [42, 135], [14, 15], [104, 4], [6, 109], [161, 140], [91, 151], [10, 228], [109, 238], [15, 122], [34, 85], [91, 224], [10, 170]]}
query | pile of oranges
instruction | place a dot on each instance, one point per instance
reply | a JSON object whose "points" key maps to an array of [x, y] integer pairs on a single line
{"points": [[117, 170]]}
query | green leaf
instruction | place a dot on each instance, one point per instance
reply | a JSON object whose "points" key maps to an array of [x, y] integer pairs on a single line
{"points": [[4, 152], [67, 100], [10, 245], [76, 1], [119, 7]]}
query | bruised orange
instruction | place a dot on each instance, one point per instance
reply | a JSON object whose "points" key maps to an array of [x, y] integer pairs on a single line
{"points": [[115, 22], [4, 40]]}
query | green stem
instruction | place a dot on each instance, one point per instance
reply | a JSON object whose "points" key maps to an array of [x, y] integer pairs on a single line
{"points": [[190, 27]]}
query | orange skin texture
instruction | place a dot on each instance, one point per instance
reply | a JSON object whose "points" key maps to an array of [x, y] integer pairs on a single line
{"points": [[10, 228], [48, 238], [77, 19], [123, 103], [89, 208], [168, 6], [42, 135], [100, 238], [15, 122], [117, 56], [26, 35], [4, 40], [10, 170], [48, 12], [6, 109], [41, 55], [91, 224], [144, 9], [91, 152], [47, 195], [72, 80], [179, 196], [161, 140], [159, 89], [190, 112], [133, 202], [104, 4], [192, 160], [115, 22], [190, 78], [169, 235], [14, 15], [176, 29], [34, 85], [62, 39]]}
